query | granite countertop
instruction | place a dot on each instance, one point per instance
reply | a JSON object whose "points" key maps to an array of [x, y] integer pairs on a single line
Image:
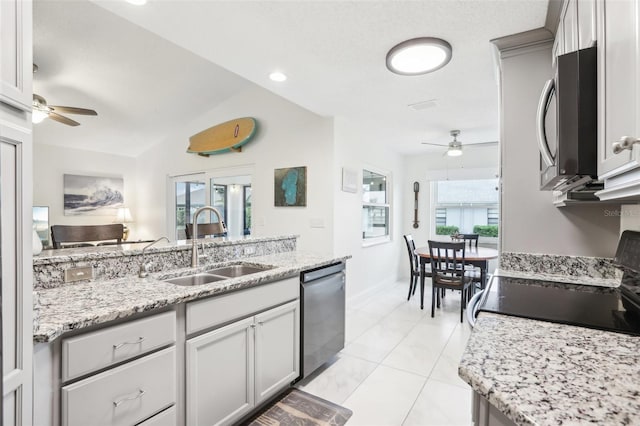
{"points": [[62, 309], [543, 373], [111, 251], [570, 279]]}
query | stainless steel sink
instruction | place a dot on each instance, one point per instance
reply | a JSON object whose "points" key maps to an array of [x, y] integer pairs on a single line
{"points": [[196, 279], [233, 271]]}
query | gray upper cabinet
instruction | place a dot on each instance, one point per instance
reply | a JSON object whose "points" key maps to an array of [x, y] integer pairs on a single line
{"points": [[586, 14], [16, 53], [618, 97]]}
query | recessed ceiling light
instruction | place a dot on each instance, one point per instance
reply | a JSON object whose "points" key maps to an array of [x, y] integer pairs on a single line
{"points": [[137, 2], [418, 56], [277, 76]]}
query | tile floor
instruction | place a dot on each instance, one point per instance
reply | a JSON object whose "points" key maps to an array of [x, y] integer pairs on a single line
{"points": [[399, 366]]}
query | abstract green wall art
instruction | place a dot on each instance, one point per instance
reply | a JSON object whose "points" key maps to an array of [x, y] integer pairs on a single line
{"points": [[290, 187]]}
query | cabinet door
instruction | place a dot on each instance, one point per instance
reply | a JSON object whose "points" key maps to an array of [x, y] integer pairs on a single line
{"points": [[16, 68], [16, 272], [586, 23], [570, 26], [277, 349], [220, 374], [617, 84]]}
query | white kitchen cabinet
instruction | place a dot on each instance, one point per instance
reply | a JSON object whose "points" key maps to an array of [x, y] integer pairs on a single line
{"points": [[277, 340], [618, 94], [586, 15], [124, 395], [232, 369], [15, 55], [16, 210], [569, 25]]}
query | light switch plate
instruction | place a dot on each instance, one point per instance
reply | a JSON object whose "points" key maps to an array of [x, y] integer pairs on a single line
{"points": [[78, 274]]}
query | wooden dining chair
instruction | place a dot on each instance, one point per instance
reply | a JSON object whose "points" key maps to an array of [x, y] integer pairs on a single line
{"points": [[447, 272], [414, 265], [205, 229], [471, 240], [472, 271], [81, 235]]}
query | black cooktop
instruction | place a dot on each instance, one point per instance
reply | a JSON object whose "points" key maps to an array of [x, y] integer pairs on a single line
{"points": [[603, 308]]}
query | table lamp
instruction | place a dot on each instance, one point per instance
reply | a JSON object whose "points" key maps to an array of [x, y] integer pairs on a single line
{"points": [[124, 216]]}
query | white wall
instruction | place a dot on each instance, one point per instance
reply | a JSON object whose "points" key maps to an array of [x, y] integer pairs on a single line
{"points": [[50, 163], [287, 136], [375, 265], [530, 222]]}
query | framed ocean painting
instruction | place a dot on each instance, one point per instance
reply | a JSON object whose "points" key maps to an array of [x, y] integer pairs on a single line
{"points": [[290, 187], [92, 195]]}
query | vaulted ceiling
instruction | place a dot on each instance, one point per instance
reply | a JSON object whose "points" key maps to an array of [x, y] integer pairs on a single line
{"points": [[147, 69]]}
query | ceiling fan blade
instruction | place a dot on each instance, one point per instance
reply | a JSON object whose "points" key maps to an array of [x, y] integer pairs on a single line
{"points": [[482, 143], [73, 110], [62, 119], [434, 144]]}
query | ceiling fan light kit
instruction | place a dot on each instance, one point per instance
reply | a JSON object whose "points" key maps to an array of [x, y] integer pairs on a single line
{"points": [[40, 111], [419, 56], [455, 146]]}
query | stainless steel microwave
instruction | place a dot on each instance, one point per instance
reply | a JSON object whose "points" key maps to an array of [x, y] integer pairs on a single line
{"points": [[567, 123]]}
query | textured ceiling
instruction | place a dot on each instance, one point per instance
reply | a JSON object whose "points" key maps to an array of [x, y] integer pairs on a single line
{"points": [[332, 51]]}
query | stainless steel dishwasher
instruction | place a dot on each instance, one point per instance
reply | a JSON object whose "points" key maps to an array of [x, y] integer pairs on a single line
{"points": [[322, 294]]}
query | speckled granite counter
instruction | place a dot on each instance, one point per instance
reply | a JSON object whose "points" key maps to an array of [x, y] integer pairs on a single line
{"points": [[541, 373], [70, 307]]}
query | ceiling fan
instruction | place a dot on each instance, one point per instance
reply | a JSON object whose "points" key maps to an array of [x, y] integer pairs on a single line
{"points": [[41, 110], [455, 146]]}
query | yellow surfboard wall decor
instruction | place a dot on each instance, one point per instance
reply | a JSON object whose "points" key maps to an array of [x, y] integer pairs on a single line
{"points": [[225, 137]]}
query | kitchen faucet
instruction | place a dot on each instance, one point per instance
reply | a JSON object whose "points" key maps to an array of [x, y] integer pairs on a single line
{"points": [[144, 271], [194, 237]]}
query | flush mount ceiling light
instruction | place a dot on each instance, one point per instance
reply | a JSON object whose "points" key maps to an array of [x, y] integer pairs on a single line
{"points": [[277, 76], [418, 56], [137, 2]]}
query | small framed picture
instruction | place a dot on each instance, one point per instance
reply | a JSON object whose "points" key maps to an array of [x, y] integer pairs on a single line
{"points": [[290, 187]]}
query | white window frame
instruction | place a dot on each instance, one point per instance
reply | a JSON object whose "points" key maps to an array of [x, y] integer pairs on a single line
{"points": [[205, 176], [368, 242]]}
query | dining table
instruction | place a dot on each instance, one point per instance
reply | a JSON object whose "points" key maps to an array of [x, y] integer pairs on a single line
{"points": [[479, 257]]}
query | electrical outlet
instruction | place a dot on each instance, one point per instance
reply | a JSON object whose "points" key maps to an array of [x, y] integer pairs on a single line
{"points": [[249, 250], [78, 274]]}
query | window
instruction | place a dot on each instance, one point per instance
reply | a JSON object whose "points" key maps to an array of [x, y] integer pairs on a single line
{"points": [[375, 206], [467, 207], [228, 192]]}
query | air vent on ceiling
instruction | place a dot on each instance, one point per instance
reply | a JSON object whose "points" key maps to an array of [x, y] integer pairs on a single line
{"points": [[419, 106]]}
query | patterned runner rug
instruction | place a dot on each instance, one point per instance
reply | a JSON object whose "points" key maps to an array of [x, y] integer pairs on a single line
{"points": [[302, 409]]}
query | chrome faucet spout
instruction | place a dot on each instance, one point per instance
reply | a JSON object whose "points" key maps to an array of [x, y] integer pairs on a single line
{"points": [[144, 271], [194, 237]]}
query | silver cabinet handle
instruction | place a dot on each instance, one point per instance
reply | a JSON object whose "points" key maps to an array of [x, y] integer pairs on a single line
{"points": [[260, 322], [625, 142], [129, 398], [119, 345], [543, 145]]}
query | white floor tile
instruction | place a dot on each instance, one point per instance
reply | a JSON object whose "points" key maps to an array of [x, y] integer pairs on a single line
{"points": [[379, 340], [339, 381], [393, 349], [357, 322], [441, 404], [384, 398]]}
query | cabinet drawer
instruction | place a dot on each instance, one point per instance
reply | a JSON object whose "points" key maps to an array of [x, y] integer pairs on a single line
{"points": [[98, 349], [122, 396], [166, 418], [218, 310]]}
